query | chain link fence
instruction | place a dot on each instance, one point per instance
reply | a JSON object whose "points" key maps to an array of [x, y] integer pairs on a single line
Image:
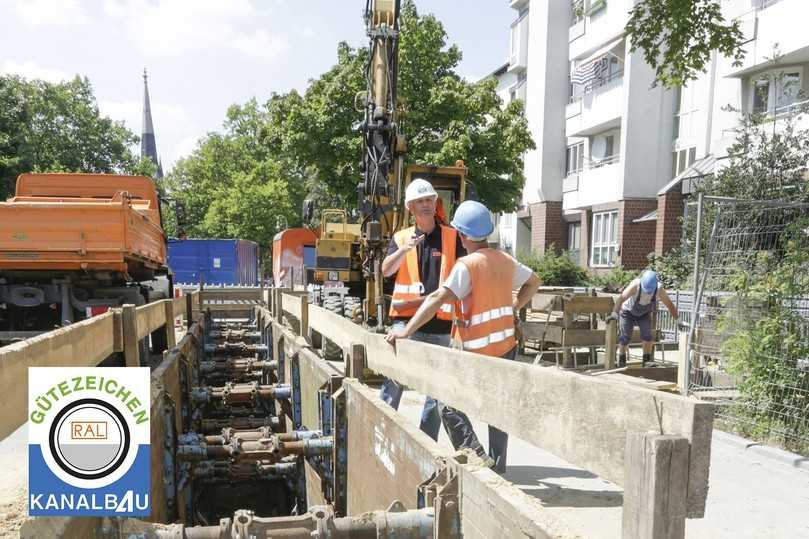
{"points": [[749, 318]]}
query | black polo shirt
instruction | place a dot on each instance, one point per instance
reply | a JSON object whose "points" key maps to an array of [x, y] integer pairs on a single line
{"points": [[429, 262]]}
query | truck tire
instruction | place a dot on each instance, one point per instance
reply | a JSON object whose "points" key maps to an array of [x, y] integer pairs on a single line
{"points": [[331, 351]]}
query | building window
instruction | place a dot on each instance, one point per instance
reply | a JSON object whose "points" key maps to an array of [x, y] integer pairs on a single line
{"points": [[575, 159], [577, 7], [605, 239], [682, 160], [688, 114], [776, 92], [506, 220], [574, 240]]}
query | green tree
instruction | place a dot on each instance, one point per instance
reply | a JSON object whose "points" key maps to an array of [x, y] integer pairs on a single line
{"points": [[677, 37], [231, 186], [444, 118], [47, 127]]}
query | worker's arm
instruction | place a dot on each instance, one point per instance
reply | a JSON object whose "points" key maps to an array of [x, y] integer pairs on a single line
{"points": [[526, 292], [664, 297], [391, 263], [426, 312], [630, 290]]}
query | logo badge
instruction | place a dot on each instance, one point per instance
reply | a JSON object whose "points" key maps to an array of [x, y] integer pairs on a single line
{"points": [[88, 441]]}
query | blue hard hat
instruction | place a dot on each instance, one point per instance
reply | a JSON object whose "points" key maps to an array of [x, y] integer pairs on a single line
{"points": [[473, 220], [648, 281]]}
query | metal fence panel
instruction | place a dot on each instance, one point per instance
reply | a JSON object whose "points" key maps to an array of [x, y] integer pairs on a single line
{"points": [[749, 336]]}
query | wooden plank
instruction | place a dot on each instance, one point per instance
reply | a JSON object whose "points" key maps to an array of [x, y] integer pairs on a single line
{"points": [[682, 363], [610, 344], [252, 294], [83, 344], [129, 325], [388, 456], [583, 419], [291, 304], [655, 487], [150, 317], [170, 338], [546, 302], [178, 306], [491, 507], [588, 305], [341, 331], [584, 337], [304, 316], [536, 330]]}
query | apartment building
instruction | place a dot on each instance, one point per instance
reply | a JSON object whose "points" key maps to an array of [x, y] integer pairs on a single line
{"points": [[616, 155]]}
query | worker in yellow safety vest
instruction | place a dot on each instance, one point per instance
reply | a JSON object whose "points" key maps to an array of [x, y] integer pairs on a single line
{"points": [[481, 284]]}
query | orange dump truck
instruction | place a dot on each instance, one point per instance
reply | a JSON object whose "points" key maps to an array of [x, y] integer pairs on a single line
{"points": [[72, 245]]}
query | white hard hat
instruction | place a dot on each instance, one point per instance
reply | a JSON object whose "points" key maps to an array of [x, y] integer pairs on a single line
{"points": [[419, 188]]}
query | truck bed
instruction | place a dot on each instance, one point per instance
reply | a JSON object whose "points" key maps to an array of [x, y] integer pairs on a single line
{"points": [[118, 234]]}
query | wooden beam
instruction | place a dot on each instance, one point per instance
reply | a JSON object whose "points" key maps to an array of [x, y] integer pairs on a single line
{"points": [[303, 330], [150, 317], [583, 419], [170, 338], [588, 305], [291, 304], [83, 344], [231, 294], [341, 331], [655, 487], [546, 302], [129, 325]]}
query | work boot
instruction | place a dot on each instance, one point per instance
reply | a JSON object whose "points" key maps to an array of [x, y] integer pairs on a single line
{"points": [[621, 360], [647, 358]]}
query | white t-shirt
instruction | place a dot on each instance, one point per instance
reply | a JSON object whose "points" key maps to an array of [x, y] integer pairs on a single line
{"points": [[459, 280]]}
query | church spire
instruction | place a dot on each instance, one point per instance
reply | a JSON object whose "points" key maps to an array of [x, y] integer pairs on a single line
{"points": [[148, 147]]}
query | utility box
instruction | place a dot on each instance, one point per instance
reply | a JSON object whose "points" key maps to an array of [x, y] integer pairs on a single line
{"points": [[217, 262]]}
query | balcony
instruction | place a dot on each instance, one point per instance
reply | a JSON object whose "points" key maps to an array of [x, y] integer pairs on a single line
{"points": [[518, 47], [596, 183], [595, 106]]}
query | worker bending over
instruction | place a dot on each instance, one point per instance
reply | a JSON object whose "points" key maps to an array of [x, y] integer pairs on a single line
{"points": [[482, 281], [636, 304], [422, 257]]}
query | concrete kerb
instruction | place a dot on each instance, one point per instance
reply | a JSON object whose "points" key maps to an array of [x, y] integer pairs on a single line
{"points": [[774, 454]]}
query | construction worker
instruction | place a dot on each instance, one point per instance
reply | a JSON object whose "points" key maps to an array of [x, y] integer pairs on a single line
{"points": [[482, 282], [635, 305], [421, 256]]}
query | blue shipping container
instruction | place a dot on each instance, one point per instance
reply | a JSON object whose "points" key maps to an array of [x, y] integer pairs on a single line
{"points": [[222, 262]]}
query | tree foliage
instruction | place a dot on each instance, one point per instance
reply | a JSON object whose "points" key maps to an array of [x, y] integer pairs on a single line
{"points": [[678, 36], [46, 127], [306, 145]]}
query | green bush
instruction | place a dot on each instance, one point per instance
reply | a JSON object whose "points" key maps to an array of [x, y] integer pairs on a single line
{"points": [[674, 268], [614, 280], [554, 269]]}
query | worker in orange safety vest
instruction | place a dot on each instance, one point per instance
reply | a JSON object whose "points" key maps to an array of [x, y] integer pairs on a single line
{"points": [[422, 257], [481, 283]]}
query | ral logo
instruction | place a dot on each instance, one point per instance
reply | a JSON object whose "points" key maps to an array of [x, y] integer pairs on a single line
{"points": [[88, 441]]}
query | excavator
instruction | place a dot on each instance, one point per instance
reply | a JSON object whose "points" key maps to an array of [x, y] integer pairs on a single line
{"points": [[347, 274]]}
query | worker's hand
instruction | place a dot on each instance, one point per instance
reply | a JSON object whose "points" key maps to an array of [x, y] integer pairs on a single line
{"points": [[396, 333], [411, 242], [612, 316]]}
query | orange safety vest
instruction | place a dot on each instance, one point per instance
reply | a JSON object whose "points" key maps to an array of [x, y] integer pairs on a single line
{"points": [[408, 284], [486, 322]]}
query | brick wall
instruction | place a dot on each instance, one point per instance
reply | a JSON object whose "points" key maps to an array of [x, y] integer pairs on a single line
{"points": [[547, 226], [637, 240], [669, 227]]}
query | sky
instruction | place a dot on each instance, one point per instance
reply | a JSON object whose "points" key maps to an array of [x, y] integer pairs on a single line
{"points": [[204, 55]]}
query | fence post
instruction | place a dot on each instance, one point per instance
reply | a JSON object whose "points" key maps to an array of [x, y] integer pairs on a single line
{"points": [[655, 486], [694, 307], [610, 344], [201, 301], [189, 310], [304, 325], [129, 328], [683, 374], [171, 340]]}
